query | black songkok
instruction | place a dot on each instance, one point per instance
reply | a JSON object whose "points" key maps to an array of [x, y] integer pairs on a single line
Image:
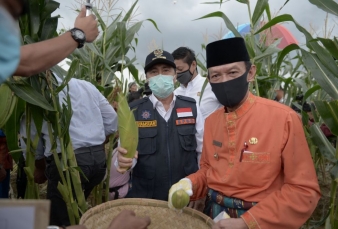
{"points": [[226, 51]]}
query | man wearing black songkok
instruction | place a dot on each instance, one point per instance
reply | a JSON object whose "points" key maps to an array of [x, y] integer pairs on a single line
{"points": [[257, 170]]}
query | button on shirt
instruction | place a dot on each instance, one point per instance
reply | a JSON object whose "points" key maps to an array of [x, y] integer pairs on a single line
{"points": [[93, 117], [209, 102]]}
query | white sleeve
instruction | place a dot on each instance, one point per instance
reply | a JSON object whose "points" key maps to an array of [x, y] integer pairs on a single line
{"points": [[109, 115], [199, 133]]}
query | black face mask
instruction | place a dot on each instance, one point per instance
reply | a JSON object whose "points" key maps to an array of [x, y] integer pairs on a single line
{"points": [[232, 92], [184, 77]]}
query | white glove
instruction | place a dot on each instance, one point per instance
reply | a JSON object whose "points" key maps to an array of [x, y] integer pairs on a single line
{"points": [[184, 184]]}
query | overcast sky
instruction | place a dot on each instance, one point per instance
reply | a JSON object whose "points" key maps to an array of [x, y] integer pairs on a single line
{"points": [[175, 20]]}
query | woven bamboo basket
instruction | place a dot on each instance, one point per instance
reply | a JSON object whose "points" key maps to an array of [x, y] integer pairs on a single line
{"points": [[161, 216]]}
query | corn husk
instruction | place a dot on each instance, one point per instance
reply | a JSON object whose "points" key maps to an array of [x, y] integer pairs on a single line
{"points": [[128, 129]]}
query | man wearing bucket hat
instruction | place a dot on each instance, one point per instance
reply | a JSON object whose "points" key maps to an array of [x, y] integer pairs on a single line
{"points": [[257, 170], [170, 133]]}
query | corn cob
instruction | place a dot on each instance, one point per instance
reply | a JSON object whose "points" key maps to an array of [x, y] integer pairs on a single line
{"points": [[128, 130], [7, 103], [180, 199]]}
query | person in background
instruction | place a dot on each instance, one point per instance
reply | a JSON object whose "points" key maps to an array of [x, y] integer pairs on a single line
{"points": [[88, 133], [257, 170], [132, 87], [133, 96], [191, 82]]}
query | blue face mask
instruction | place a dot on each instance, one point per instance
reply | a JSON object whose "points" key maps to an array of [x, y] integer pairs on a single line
{"points": [[161, 85], [9, 45]]}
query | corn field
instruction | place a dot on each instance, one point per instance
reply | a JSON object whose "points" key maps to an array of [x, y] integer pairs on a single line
{"points": [[312, 73]]}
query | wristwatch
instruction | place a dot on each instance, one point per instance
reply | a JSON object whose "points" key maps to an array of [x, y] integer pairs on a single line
{"points": [[79, 36], [56, 227]]}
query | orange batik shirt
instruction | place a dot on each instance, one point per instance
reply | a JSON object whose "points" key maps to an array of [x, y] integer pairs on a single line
{"points": [[275, 169]]}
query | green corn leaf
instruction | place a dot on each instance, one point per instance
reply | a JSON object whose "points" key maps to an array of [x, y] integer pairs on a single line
{"points": [[154, 23], [284, 4], [328, 112], [202, 90], [99, 18], [324, 146], [226, 20], [325, 78], [129, 13], [329, 6], [268, 12], [334, 173], [331, 46], [27, 93], [309, 92], [259, 9], [243, 1], [283, 53]]}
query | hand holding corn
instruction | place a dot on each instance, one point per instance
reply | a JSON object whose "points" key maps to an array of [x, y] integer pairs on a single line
{"points": [[124, 163], [179, 194]]}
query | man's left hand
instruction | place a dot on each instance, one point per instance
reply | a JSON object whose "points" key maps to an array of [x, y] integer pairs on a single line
{"points": [[230, 224]]}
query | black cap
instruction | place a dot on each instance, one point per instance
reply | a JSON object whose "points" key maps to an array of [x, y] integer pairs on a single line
{"points": [[159, 56], [226, 51]]}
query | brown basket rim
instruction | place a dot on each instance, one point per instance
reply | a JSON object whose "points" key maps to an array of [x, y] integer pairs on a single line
{"points": [[100, 209]]}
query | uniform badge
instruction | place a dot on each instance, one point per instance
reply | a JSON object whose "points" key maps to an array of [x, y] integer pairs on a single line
{"points": [[145, 124], [159, 54], [217, 143], [185, 121], [184, 112], [146, 114], [253, 141]]}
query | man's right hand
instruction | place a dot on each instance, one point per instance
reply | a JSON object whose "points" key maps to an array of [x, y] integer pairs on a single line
{"points": [[128, 220], [87, 24], [124, 163]]}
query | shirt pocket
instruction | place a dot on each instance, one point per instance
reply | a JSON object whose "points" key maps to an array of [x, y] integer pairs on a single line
{"points": [[145, 167], [254, 169], [186, 134], [147, 141]]}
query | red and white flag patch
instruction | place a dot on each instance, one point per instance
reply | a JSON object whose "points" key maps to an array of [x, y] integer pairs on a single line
{"points": [[184, 112]]}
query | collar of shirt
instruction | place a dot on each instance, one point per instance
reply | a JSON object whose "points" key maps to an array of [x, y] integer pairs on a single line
{"points": [[158, 105]]}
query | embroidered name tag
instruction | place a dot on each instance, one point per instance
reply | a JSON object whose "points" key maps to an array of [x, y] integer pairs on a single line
{"points": [[147, 123], [216, 143], [185, 121], [256, 157]]}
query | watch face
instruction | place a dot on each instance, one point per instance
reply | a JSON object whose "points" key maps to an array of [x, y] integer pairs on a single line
{"points": [[79, 34]]}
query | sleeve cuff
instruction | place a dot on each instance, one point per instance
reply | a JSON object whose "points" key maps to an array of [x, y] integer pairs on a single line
{"points": [[250, 220]]}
